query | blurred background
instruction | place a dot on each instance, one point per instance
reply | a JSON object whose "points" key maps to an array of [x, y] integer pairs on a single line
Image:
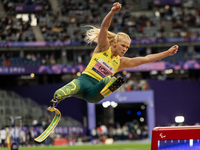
{"points": [[42, 48]]}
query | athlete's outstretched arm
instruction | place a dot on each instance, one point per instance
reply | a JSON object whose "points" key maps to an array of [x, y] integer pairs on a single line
{"points": [[103, 42], [133, 62]]}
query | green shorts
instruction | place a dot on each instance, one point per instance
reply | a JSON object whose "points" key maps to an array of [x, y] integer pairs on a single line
{"points": [[84, 87]]}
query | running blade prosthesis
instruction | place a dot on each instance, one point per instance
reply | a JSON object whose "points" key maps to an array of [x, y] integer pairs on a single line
{"points": [[51, 127], [112, 86]]}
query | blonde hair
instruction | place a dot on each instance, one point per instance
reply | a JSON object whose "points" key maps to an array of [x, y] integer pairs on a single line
{"points": [[93, 33]]}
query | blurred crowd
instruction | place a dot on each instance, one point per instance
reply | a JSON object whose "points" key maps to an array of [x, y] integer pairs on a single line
{"points": [[16, 134], [128, 131], [25, 137], [15, 30], [76, 15], [67, 21], [132, 82], [30, 59]]}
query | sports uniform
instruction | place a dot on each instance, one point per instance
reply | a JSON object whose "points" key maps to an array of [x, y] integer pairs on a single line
{"points": [[94, 78]]}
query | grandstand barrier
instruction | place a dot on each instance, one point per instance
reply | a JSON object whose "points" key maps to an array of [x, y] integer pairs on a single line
{"points": [[63, 69], [78, 43], [179, 137]]}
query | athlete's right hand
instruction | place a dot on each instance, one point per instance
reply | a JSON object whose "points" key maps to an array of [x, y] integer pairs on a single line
{"points": [[116, 7]]}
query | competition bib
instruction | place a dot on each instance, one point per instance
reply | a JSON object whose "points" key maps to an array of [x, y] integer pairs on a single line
{"points": [[103, 68]]}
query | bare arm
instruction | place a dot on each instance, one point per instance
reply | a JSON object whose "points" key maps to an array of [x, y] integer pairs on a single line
{"points": [[103, 42], [126, 62]]}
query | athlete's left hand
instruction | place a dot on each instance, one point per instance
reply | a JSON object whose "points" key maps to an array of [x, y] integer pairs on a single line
{"points": [[173, 50]]}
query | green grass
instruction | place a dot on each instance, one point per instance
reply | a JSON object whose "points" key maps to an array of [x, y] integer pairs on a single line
{"points": [[127, 146]]}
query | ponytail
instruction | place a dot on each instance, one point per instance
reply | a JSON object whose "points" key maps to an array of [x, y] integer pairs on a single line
{"points": [[93, 33]]}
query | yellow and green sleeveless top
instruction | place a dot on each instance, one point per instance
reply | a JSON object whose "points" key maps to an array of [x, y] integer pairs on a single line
{"points": [[101, 65]]}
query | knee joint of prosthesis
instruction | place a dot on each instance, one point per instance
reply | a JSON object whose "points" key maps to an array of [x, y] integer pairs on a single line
{"points": [[112, 85]]}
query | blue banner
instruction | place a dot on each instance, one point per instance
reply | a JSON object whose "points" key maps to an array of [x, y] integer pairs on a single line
{"points": [[28, 8], [64, 69], [72, 43]]}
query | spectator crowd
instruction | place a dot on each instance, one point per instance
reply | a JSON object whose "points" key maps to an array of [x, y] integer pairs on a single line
{"points": [[67, 21], [25, 136]]}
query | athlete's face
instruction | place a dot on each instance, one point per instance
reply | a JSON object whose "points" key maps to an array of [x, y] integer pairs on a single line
{"points": [[122, 47]]}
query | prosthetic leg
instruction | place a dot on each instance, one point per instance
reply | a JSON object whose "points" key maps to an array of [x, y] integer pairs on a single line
{"points": [[51, 127]]}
